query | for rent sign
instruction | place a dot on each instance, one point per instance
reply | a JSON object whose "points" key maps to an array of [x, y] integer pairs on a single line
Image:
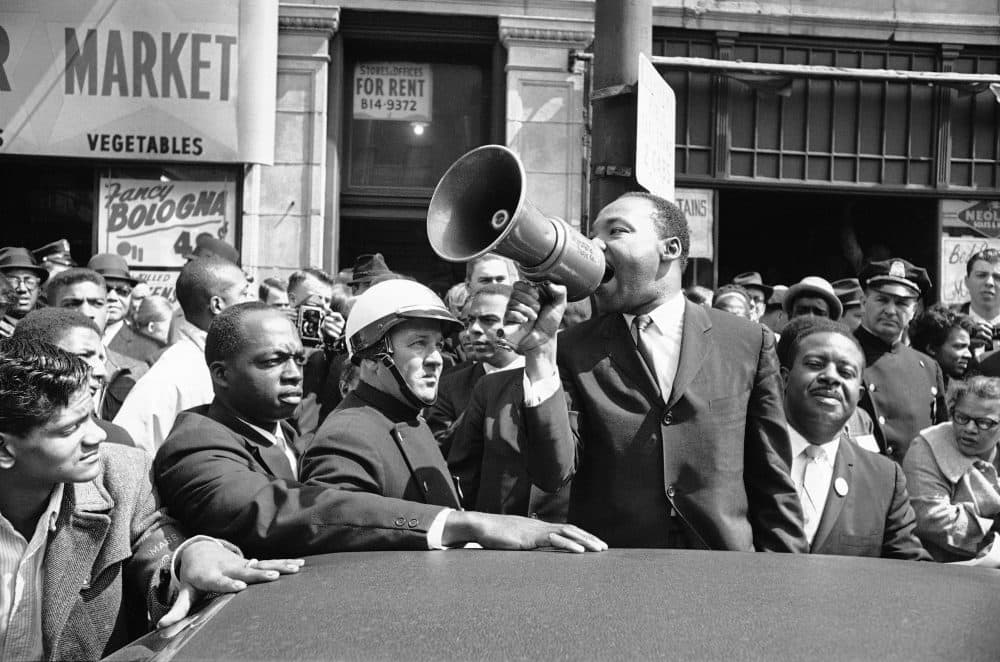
{"points": [[156, 224], [143, 79], [392, 91]]}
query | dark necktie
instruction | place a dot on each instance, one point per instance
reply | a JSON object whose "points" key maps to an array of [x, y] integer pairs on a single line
{"points": [[639, 326]]}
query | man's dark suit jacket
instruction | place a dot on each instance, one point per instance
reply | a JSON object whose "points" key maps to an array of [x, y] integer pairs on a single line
{"points": [[220, 477], [717, 454], [453, 397], [486, 455], [116, 434], [874, 517], [136, 345]]}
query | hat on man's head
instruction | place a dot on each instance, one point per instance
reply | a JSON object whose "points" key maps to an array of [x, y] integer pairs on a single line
{"points": [[849, 292], [752, 279], [777, 297], [896, 271], [816, 287], [207, 245], [110, 265], [367, 267], [16, 257], [56, 252]]}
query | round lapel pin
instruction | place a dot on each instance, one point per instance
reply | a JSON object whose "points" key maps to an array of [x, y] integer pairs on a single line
{"points": [[840, 487]]}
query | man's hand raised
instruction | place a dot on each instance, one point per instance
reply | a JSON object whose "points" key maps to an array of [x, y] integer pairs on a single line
{"points": [[533, 314]]}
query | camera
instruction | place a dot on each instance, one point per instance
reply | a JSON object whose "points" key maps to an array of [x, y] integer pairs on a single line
{"points": [[309, 322]]}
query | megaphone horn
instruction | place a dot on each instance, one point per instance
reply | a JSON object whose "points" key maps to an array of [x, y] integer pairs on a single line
{"points": [[479, 207]]}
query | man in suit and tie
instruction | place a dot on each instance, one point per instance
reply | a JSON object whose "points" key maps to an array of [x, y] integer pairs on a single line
{"points": [[230, 468], [854, 501], [485, 442], [484, 314], [680, 439]]}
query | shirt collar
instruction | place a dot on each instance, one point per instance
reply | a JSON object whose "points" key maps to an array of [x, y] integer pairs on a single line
{"points": [[274, 436], [189, 331], [979, 318], [47, 521], [799, 444], [112, 330], [664, 316], [518, 362]]}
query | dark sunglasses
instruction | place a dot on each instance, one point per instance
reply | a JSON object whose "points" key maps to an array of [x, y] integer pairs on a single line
{"points": [[122, 290]]}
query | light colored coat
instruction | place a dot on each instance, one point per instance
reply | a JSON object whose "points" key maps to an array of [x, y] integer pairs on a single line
{"points": [[108, 562], [955, 502]]}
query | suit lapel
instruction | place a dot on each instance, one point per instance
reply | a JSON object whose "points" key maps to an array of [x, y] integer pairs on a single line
{"points": [[623, 353], [843, 467], [694, 347], [263, 450], [76, 553]]}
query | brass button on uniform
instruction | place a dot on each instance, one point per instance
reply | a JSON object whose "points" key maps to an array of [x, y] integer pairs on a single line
{"points": [[413, 523], [671, 491], [668, 418], [400, 521]]}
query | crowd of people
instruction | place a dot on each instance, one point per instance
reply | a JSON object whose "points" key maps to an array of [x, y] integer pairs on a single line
{"points": [[181, 441]]}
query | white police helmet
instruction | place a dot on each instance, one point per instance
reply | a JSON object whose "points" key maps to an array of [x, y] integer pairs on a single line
{"points": [[386, 304]]}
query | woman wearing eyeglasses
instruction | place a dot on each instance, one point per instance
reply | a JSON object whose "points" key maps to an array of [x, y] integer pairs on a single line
{"points": [[951, 474]]}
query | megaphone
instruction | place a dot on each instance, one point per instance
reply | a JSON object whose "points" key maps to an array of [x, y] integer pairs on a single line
{"points": [[479, 207]]}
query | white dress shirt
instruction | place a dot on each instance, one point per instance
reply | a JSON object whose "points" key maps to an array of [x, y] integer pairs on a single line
{"points": [[799, 461], [21, 576], [663, 336], [518, 362], [177, 381]]}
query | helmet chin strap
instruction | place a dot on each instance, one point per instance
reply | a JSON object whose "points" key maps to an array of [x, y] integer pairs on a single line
{"points": [[385, 357]]}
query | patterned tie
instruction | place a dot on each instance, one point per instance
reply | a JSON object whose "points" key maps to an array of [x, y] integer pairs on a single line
{"points": [[815, 478], [639, 326]]}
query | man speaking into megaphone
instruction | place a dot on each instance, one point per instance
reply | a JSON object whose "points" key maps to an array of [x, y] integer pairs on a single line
{"points": [[677, 438]]}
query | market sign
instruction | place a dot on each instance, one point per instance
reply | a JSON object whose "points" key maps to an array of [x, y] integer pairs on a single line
{"points": [[182, 80], [393, 91], [152, 223]]}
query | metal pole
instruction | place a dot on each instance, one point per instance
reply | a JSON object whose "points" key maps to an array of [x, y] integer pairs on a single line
{"points": [[622, 30]]}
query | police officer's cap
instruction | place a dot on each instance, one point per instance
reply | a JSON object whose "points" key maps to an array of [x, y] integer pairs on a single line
{"points": [[896, 271]]}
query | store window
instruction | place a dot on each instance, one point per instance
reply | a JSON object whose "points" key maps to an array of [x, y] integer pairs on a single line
{"points": [[418, 92], [150, 214]]}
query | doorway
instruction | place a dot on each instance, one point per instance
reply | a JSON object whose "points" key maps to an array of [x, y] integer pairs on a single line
{"points": [[789, 235]]}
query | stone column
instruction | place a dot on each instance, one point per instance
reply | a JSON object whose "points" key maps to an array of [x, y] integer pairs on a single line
{"points": [[283, 226], [545, 107]]}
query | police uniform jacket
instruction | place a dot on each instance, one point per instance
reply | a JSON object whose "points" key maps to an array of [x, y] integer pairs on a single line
{"points": [[903, 392], [373, 443]]}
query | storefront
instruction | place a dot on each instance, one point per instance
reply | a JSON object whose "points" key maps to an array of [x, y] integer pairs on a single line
{"points": [[129, 127]]}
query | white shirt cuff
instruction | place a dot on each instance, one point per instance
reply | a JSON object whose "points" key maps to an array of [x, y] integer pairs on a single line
{"points": [[175, 582], [435, 534], [538, 392]]}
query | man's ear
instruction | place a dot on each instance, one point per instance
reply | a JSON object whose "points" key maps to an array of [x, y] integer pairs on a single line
{"points": [[7, 456], [670, 248], [219, 374], [784, 377], [216, 305]]}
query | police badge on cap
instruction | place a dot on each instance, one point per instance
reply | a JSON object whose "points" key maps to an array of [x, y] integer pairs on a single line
{"points": [[899, 272]]}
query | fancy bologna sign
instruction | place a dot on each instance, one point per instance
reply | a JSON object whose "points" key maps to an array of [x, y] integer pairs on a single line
{"points": [[156, 224], [183, 80]]}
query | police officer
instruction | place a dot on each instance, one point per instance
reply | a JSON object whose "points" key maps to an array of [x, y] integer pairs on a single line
{"points": [[904, 388], [376, 441]]}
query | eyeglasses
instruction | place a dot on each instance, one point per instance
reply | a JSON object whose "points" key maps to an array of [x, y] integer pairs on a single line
{"points": [[122, 290], [31, 282], [983, 424]]}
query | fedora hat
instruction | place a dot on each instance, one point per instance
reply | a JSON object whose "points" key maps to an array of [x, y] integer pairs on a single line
{"points": [[206, 245], [110, 265], [752, 279], [368, 267], [16, 257], [817, 287]]}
